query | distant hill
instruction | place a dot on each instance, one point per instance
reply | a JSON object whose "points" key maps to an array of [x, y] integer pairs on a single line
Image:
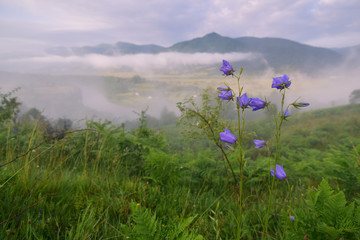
{"points": [[106, 49], [280, 54], [351, 54]]}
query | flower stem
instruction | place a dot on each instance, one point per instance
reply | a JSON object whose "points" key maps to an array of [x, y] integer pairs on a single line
{"points": [[278, 124], [241, 123], [289, 208]]}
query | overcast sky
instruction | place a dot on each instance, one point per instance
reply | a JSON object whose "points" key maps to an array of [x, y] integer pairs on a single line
{"points": [[36, 24]]}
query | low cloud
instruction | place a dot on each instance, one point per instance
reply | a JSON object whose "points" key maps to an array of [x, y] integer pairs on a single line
{"points": [[134, 62]]}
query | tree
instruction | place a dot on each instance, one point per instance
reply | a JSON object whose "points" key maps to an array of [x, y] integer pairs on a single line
{"points": [[355, 96], [9, 107]]}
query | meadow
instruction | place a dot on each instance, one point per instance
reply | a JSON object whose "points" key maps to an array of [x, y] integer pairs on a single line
{"points": [[165, 178]]}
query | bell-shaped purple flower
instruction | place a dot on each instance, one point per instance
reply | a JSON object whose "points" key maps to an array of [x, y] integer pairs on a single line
{"points": [[227, 136], [281, 82], [279, 173], [259, 143], [222, 88], [292, 218], [226, 95], [243, 101], [227, 68], [229, 147], [285, 114], [300, 104], [257, 103]]}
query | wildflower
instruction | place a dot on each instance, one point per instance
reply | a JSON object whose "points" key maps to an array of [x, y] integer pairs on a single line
{"points": [[279, 173], [243, 101], [259, 143], [226, 95], [257, 103], [229, 147], [227, 68], [222, 88], [281, 82], [285, 114], [300, 104], [292, 218], [227, 136]]}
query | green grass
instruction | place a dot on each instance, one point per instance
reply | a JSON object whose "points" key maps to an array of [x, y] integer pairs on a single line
{"points": [[109, 183]]}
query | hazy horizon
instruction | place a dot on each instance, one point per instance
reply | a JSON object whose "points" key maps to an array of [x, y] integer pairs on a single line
{"points": [[79, 86], [73, 87]]}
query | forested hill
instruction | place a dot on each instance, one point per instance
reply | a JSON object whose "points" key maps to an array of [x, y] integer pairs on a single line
{"points": [[277, 53]]}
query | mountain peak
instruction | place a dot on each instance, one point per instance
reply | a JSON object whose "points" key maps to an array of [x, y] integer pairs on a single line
{"points": [[212, 35]]}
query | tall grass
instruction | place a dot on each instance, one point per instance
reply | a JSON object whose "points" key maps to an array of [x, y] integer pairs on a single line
{"points": [[104, 182]]}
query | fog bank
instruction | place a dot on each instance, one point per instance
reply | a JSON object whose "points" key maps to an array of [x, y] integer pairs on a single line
{"points": [[73, 87]]}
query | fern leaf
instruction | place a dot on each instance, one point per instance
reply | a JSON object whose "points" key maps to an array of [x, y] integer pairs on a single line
{"points": [[147, 226], [181, 227]]}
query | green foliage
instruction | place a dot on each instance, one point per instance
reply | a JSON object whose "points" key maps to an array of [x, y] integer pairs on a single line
{"points": [[355, 96], [342, 166], [88, 183], [205, 118], [9, 107], [327, 216], [162, 168], [148, 227]]}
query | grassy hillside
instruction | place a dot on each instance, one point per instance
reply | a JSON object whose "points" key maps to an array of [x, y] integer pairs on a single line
{"points": [[106, 182]]}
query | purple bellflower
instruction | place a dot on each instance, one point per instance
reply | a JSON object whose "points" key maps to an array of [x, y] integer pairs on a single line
{"points": [[227, 68], [227, 136], [259, 143], [292, 218], [279, 173], [281, 82], [244, 101], [285, 114], [222, 88], [226, 95], [300, 104], [229, 147], [257, 103]]}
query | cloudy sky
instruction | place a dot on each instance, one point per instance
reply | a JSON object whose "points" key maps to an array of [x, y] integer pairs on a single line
{"points": [[36, 24]]}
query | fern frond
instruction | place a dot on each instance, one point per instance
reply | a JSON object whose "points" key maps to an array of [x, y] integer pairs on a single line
{"points": [[329, 231], [180, 228], [147, 226]]}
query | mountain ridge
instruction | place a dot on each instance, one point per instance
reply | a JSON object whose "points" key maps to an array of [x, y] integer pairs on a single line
{"points": [[278, 53]]}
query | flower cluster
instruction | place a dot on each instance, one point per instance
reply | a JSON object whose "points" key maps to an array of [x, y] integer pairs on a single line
{"points": [[243, 102]]}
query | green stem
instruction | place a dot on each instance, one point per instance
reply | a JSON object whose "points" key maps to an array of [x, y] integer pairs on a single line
{"points": [[241, 123], [289, 208], [269, 154], [278, 122]]}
